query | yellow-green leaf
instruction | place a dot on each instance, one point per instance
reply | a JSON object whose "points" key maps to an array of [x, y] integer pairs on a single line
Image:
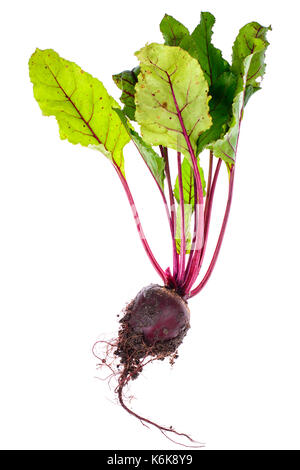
{"points": [[80, 103], [171, 98]]}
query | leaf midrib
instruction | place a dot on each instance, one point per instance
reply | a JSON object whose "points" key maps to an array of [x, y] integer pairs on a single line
{"points": [[208, 58], [178, 111], [77, 110]]}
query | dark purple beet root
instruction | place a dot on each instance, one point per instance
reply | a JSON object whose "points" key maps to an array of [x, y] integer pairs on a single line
{"points": [[152, 328], [159, 314], [154, 324]]}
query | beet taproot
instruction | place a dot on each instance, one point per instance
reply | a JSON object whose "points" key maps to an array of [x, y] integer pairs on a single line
{"points": [[152, 328]]}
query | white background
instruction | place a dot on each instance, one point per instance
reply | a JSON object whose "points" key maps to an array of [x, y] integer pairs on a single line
{"points": [[70, 257]]}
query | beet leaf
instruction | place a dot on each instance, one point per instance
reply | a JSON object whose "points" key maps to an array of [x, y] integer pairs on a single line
{"points": [[249, 66], [171, 82], [126, 81], [80, 103], [173, 31]]}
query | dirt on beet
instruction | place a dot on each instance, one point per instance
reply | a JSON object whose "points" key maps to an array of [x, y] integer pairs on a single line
{"points": [[132, 349]]}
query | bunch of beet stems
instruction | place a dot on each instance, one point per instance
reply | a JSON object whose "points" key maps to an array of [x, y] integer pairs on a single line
{"points": [[185, 274]]}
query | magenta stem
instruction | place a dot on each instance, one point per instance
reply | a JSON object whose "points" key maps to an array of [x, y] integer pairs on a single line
{"points": [[183, 240], [194, 231], [207, 216], [146, 246], [220, 239], [164, 153], [199, 212], [210, 170], [164, 202], [191, 278], [196, 251]]}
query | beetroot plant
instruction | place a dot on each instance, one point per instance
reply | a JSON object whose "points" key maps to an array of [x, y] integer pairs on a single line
{"points": [[184, 98]]}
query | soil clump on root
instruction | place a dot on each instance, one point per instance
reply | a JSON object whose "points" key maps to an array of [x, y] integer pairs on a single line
{"points": [[153, 326]]}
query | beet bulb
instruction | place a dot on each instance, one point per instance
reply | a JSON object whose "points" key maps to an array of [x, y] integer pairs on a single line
{"points": [[159, 314]]}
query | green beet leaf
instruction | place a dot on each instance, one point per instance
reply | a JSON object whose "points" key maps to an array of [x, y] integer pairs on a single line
{"points": [[221, 81], [220, 108], [188, 182], [176, 34], [173, 31], [80, 103], [251, 40], [171, 86], [188, 211], [209, 57], [155, 163], [126, 81], [248, 64], [189, 200]]}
